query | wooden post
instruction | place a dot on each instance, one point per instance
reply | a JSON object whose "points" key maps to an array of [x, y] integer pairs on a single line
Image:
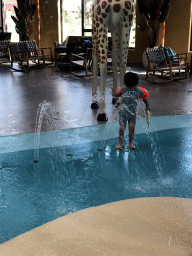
{"points": [[38, 25], [1, 14], [162, 34]]}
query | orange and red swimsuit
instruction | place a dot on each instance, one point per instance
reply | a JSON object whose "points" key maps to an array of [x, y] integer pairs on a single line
{"points": [[128, 107]]}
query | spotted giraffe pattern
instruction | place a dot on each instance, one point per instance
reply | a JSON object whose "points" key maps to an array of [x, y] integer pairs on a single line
{"points": [[117, 16]]}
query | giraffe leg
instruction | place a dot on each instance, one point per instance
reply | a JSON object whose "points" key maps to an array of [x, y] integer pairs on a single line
{"points": [[103, 72], [102, 48], [94, 104], [102, 114], [115, 52], [124, 47], [122, 57]]}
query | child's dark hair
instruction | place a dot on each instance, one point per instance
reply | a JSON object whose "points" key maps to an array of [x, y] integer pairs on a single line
{"points": [[131, 79]]}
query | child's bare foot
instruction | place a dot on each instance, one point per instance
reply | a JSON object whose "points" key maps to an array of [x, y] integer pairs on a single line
{"points": [[132, 147], [119, 147]]}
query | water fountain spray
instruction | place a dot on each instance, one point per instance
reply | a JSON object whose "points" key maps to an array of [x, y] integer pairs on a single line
{"points": [[42, 110]]}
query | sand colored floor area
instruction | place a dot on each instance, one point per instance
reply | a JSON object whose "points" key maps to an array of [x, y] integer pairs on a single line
{"points": [[143, 226]]}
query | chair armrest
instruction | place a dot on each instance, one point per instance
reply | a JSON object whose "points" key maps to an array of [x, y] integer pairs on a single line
{"points": [[179, 58], [157, 61], [47, 53], [181, 54], [176, 58], [61, 49], [77, 56], [36, 52], [44, 48], [48, 48]]}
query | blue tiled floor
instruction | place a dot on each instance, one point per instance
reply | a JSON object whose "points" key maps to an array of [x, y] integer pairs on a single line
{"points": [[72, 174], [89, 134]]}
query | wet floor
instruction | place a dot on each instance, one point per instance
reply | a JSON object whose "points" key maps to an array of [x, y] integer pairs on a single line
{"points": [[80, 168], [70, 178], [70, 96]]}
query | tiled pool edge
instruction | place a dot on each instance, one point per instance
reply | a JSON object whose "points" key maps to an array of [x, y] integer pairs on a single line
{"points": [[57, 138]]}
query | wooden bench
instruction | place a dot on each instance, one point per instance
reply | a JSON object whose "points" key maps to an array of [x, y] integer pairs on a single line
{"points": [[169, 67]]}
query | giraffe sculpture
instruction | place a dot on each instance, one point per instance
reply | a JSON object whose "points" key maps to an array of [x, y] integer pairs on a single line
{"points": [[117, 16]]}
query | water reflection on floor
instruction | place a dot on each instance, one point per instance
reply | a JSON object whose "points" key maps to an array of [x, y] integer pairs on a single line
{"points": [[74, 177]]}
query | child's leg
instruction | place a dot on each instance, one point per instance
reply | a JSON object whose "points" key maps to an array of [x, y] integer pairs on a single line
{"points": [[131, 135], [122, 128]]}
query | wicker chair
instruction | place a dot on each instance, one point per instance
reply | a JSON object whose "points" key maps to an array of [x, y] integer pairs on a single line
{"points": [[44, 54], [84, 60], [20, 54], [165, 66], [4, 51]]}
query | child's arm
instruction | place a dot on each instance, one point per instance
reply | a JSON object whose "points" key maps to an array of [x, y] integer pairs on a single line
{"points": [[144, 97], [116, 94], [147, 104]]}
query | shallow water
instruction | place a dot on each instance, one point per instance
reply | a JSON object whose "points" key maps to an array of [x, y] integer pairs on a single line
{"points": [[71, 178]]}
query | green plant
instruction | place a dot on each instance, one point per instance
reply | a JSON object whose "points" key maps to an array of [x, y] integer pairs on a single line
{"points": [[153, 14], [24, 13]]}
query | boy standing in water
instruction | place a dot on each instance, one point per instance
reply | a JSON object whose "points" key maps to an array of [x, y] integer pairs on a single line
{"points": [[130, 94]]}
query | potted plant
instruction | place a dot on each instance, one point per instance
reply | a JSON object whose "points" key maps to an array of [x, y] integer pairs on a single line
{"points": [[24, 13], [153, 14]]}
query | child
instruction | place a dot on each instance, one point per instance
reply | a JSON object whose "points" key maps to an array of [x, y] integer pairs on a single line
{"points": [[130, 94]]}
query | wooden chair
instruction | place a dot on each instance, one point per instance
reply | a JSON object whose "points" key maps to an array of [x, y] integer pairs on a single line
{"points": [[60, 51], [63, 51], [164, 66], [4, 51], [44, 54], [26, 59], [84, 60]]}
